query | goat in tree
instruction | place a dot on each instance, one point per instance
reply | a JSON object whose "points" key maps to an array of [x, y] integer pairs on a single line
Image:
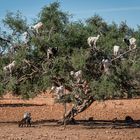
{"points": [[51, 52], [106, 63], [9, 67], [92, 41], [38, 27], [131, 42], [116, 50], [59, 91], [25, 37], [77, 75]]}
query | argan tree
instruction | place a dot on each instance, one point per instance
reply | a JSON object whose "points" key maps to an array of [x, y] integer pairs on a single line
{"points": [[34, 72]]}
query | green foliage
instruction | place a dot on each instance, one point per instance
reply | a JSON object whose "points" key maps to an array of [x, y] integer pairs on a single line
{"points": [[11, 84], [61, 66], [76, 35], [78, 58], [33, 71], [1, 89], [105, 88], [52, 16], [15, 22]]}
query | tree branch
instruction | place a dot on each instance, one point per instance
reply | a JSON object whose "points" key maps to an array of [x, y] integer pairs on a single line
{"points": [[122, 54]]}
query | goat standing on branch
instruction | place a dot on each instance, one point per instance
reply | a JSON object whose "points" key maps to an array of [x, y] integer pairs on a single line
{"points": [[122, 54], [9, 67], [59, 91], [131, 42], [106, 63], [38, 27], [51, 52], [77, 75], [25, 37], [116, 50], [92, 41]]}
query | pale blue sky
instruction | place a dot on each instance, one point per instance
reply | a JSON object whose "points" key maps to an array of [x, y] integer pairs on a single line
{"points": [[109, 10]]}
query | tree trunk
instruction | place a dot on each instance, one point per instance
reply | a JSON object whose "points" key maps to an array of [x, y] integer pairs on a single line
{"points": [[69, 117]]}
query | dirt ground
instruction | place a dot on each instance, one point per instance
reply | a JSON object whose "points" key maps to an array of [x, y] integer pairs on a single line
{"points": [[96, 123]]}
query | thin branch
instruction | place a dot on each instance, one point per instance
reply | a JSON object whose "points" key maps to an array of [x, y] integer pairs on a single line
{"points": [[122, 54], [3, 39], [26, 76], [50, 32], [27, 62]]}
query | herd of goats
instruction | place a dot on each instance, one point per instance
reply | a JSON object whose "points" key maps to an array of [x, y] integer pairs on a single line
{"points": [[59, 90], [131, 42]]}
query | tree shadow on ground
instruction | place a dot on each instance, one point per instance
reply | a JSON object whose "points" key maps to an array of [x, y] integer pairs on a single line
{"points": [[94, 124], [103, 124], [19, 105], [88, 124]]}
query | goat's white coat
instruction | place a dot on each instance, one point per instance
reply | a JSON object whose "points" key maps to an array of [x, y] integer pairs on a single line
{"points": [[25, 37], [92, 40], [59, 91], [106, 64], [27, 115], [9, 67], [116, 50], [49, 53], [77, 75], [132, 43], [38, 26]]}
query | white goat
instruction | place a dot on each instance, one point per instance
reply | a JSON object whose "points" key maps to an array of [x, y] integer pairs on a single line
{"points": [[132, 43], [38, 26], [9, 67], [106, 63], [59, 91], [25, 34], [92, 40], [25, 37], [77, 75], [27, 115], [49, 53], [116, 50]]}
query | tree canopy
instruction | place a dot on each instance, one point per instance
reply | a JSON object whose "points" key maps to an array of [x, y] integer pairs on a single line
{"points": [[33, 71]]}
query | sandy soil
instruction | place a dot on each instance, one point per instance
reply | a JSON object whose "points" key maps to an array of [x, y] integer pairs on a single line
{"points": [[45, 113]]}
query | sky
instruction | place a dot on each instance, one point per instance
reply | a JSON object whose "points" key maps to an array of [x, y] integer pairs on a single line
{"points": [[109, 10]]}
